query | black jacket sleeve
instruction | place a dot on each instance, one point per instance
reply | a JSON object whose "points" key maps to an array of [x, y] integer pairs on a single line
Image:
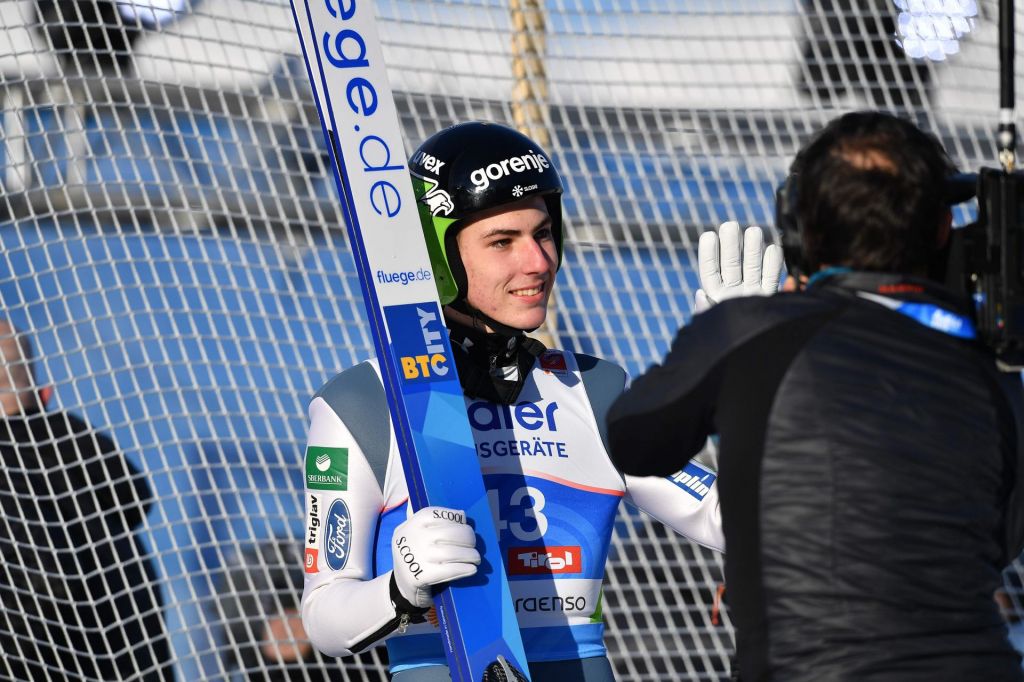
{"points": [[665, 417]]}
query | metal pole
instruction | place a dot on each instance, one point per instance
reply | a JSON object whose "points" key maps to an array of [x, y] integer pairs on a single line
{"points": [[1007, 137], [530, 89], [530, 102]]}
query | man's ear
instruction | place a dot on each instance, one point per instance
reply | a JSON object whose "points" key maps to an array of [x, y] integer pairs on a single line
{"points": [[945, 227], [45, 393]]}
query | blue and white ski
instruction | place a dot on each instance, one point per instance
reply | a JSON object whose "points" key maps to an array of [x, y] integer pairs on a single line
{"points": [[346, 69]]}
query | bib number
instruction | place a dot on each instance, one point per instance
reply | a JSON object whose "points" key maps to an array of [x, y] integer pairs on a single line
{"points": [[525, 505]]}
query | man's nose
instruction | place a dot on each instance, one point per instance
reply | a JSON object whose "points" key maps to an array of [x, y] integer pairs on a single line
{"points": [[536, 258]]}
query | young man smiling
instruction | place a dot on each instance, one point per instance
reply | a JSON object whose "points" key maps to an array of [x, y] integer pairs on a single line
{"points": [[490, 203]]}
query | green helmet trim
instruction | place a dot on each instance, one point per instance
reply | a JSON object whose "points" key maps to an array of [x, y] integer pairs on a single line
{"points": [[435, 228]]}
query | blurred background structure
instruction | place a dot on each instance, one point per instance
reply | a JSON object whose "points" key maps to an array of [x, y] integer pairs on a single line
{"points": [[171, 241]]}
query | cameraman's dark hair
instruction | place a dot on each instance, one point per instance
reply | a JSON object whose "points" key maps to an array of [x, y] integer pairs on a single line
{"points": [[870, 194]]}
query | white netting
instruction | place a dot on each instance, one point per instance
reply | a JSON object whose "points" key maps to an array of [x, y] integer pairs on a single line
{"points": [[170, 242]]}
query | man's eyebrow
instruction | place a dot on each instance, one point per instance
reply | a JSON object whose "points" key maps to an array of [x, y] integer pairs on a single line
{"points": [[515, 231], [503, 232]]}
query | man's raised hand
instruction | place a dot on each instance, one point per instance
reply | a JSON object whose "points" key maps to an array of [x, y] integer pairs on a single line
{"points": [[727, 269]]}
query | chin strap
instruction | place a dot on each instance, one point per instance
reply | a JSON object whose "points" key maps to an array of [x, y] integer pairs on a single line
{"points": [[463, 306], [493, 366]]}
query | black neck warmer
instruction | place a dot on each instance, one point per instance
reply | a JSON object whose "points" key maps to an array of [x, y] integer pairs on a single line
{"points": [[493, 366]]}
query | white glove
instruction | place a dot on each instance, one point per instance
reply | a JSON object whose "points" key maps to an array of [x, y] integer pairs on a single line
{"points": [[727, 273], [434, 545]]}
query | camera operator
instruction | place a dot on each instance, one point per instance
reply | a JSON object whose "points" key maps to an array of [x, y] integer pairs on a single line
{"points": [[868, 451]]}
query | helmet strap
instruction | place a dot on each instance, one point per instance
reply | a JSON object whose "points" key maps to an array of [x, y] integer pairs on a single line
{"points": [[454, 259], [481, 319]]}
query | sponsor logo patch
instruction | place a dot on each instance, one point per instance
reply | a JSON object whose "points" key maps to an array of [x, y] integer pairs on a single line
{"points": [[427, 162], [311, 560], [694, 479], [404, 277], [326, 468], [553, 604], [430, 194], [519, 190], [486, 416], [945, 321], [408, 558], [533, 447], [337, 535], [553, 362], [544, 560], [419, 341], [449, 515], [312, 521], [531, 161]]}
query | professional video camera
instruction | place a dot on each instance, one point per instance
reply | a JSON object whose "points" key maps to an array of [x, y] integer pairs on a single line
{"points": [[986, 259]]}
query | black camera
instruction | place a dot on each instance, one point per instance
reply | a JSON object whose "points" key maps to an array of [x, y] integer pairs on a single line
{"points": [[986, 259]]}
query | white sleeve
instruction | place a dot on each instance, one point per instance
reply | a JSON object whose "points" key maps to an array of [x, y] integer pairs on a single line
{"points": [[343, 605], [686, 501]]}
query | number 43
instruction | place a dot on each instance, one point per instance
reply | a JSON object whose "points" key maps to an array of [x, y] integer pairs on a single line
{"points": [[530, 503]]}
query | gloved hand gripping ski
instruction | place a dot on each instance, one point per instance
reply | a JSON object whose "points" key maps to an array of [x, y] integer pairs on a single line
{"points": [[433, 546]]}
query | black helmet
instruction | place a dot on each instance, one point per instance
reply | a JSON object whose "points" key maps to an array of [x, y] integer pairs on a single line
{"points": [[469, 168]]}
